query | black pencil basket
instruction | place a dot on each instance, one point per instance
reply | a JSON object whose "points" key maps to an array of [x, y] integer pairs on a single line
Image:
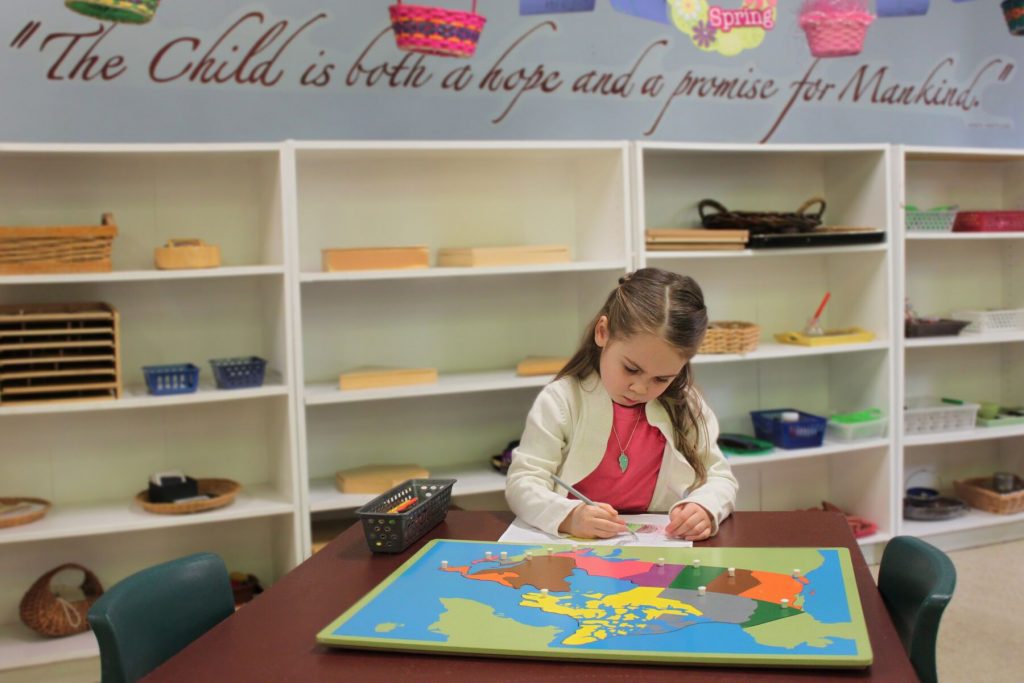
{"points": [[761, 222], [393, 532]]}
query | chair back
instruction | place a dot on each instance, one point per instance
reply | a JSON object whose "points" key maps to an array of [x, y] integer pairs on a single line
{"points": [[916, 581], [148, 617]]}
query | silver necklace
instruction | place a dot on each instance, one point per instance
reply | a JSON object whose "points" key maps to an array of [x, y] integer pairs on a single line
{"points": [[623, 456]]}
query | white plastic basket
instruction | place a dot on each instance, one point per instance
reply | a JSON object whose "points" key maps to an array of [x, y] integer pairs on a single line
{"points": [[926, 415], [842, 431], [930, 221], [1008, 320]]}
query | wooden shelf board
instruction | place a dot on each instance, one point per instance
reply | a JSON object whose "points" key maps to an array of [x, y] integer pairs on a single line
{"points": [[964, 435], [965, 339], [472, 480], [828, 448], [963, 236], [456, 383], [767, 253], [973, 520], [773, 350], [110, 517]]}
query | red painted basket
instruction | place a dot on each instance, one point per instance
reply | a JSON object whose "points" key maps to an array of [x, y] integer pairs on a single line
{"points": [[435, 30], [989, 221]]}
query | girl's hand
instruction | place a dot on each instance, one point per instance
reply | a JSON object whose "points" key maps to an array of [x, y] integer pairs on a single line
{"points": [[593, 521], [689, 522]]}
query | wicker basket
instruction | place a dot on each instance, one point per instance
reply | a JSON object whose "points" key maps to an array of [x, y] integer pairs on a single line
{"points": [[435, 30], [50, 615], [222, 490], [835, 34], [730, 337], [27, 510], [978, 493], [759, 222], [57, 249]]}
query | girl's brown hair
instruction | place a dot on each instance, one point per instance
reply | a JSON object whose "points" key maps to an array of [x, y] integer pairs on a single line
{"points": [[669, 306]]}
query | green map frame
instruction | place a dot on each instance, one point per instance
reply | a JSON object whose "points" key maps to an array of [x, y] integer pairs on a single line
{"points": [[477, 628]]}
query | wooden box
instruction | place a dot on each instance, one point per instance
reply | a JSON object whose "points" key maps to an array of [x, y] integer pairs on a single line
{"points": [[375, 258], [59, 352], [374, 377], [536, 365], [27, 250], [503, 256], [181, 254], [376, 478]]}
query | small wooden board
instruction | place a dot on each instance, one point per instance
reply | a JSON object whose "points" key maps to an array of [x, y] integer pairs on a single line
{"points": [[376, 478], [375, 258], [532, 366], [374, 377], [503, 256]]}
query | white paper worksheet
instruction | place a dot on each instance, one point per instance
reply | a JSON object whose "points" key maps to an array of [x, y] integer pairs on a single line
{"points": [[649, 529]]}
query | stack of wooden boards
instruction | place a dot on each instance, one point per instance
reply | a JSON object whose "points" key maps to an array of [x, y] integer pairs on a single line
{"points": [[384, 258], [59, 352], [696, 239]]}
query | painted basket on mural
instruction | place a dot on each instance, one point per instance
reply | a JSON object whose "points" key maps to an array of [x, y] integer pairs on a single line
{"points": [[833, 30], [123, 11], [435, 30], [1013, 11]]}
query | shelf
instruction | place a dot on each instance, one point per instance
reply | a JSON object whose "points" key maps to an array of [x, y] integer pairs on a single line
{"points": [[435, 272], [964, 436], [879, 537], [768, 253], [142, 275], [965, 339], [461, 383], [91, 519], [972, 521], [324, 497], [965, 236], [139, 397], [828, 448], [21, 647], [769, 351]]}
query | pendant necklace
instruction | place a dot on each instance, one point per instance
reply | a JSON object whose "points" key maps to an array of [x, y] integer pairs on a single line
{"points": [[623, 457]]}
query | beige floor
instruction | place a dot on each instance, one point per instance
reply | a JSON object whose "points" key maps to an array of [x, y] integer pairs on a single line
{"points": [[981, 637]]}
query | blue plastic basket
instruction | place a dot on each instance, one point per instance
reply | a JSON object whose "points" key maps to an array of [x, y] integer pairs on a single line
{"points": [[807, 432], [162, 380], [238, 373]]}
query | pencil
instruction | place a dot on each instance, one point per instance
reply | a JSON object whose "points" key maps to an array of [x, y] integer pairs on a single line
{"points": [[586, 501]]}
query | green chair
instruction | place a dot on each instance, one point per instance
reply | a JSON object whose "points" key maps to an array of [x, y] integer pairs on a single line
{"points": [[151, 615], [916, 581]]}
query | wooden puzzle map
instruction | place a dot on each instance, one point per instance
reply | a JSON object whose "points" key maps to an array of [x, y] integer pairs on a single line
{"points": [[747, 606]]}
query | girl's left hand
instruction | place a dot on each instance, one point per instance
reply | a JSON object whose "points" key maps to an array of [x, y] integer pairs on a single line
{"points": [[690, 522]]}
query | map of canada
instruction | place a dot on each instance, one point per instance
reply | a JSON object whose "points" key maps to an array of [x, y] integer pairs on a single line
{"points": [[781, 606]]}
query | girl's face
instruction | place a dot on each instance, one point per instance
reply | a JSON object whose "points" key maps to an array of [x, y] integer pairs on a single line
{"points": [[636, 369]]}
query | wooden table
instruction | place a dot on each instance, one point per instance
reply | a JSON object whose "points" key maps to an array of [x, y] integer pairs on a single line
{"points": [[273, 638]]}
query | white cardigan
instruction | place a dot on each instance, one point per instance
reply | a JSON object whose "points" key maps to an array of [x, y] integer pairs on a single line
{"points": [[567, 433]]}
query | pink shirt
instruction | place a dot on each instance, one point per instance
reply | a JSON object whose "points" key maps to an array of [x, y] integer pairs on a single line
{"points": [[632, 490]]}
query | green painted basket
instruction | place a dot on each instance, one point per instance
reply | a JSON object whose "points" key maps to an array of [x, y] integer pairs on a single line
{"points": [[123, 11]]}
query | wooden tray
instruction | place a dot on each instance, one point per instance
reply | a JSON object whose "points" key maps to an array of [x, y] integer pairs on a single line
{"points": [[28, 510], [57, 249], [223, 490], [849, 335], [375, 258]]}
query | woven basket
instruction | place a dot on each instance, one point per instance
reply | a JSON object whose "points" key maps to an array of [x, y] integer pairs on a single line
{"points": [[979, 494], [57, 249], [835, 34], [435, 30], [37, 510], [759, 222], [50, 615], [125, 11], [222, 490], [1013, 11], [730, 337]]}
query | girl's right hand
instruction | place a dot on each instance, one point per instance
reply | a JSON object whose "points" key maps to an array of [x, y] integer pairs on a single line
{"points": [[593, 521]]}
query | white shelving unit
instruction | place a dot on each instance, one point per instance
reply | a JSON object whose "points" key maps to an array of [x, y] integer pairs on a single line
{"points": [[90, 458], [779, 290], [942, 273], [472, 324]]}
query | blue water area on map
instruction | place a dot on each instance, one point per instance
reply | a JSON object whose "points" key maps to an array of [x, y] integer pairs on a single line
{"points": [[828, 604], [412, 603]]}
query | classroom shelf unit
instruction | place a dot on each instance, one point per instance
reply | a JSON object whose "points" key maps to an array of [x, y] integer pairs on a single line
{"points": [[948, 271], [272, 208], [90, 458]]}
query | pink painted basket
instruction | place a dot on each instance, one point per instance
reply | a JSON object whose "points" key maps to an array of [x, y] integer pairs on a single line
{"points": [[835, 34], [435, 30]]}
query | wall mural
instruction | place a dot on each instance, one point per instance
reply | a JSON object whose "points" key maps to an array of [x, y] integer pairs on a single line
{"points": [[913, 71]]}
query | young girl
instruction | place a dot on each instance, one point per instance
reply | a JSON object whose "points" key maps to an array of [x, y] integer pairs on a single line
{"points": [[623, 424]]}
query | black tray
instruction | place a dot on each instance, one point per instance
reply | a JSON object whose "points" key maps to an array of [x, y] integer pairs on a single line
{"points": [[819, 237]]}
